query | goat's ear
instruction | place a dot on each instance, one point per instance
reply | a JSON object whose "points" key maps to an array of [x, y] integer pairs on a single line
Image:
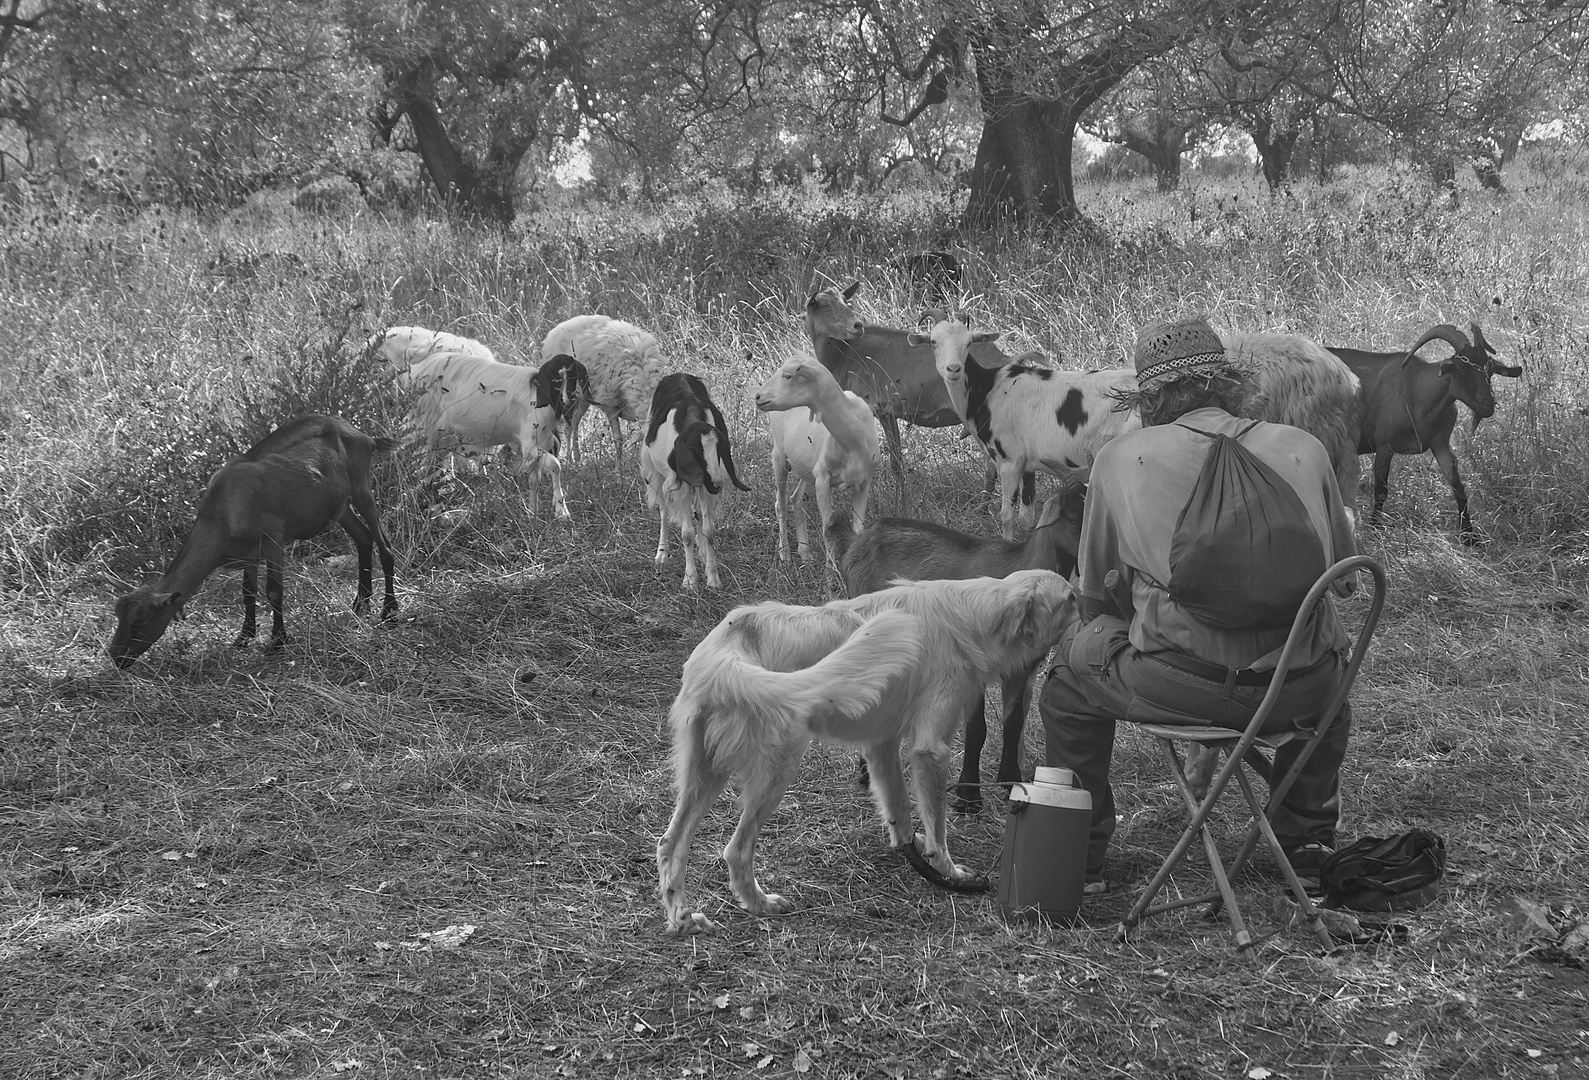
{"points": [[918, 339], [1511, 371], [855, 287], [987, 335], [932, 316], [687, 463], [161, 600], [1447, 367]]}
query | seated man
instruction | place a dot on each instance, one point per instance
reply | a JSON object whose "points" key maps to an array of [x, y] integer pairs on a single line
{"points": [[1138, 654]]}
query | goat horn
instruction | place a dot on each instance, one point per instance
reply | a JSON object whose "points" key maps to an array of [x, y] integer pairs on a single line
{"points": [[1444, 332]]}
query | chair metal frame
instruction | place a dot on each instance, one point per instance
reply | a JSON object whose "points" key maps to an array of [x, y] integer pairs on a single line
{"points": [[1243, 747]]}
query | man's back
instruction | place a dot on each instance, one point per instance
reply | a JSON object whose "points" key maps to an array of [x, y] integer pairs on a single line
{"points": [[1141, 482]]}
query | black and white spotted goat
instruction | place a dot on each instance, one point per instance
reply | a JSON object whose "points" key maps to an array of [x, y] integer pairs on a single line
{"points": [[686, 462]]}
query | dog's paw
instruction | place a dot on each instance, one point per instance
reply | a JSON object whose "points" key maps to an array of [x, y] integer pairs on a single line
{"points": [[769, 903], [695, 923]]}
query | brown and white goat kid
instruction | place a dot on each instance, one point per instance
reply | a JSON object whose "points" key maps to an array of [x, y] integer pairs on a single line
{"points": [[823, 436], [686, 462], [469, 403], [289, 486], [1410, 408], [891, 549]]}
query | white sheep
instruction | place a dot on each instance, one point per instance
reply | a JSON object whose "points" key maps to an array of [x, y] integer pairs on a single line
{"points": [[686, 463], [1297, 381], [624, 364], [833, 445]]}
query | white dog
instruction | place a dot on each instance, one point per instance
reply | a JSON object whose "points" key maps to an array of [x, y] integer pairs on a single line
{"points": [[902, 666]]}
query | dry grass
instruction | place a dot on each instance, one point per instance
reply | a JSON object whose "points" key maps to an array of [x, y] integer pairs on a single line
{"points": [[227, 864]]}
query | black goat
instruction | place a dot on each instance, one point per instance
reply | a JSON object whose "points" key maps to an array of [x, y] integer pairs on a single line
{"points": [[1408, 408], [289, 486], [892, 549]]}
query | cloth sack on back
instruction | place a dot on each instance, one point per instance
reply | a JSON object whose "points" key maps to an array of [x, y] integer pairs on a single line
{"points": [[1244, 553]]}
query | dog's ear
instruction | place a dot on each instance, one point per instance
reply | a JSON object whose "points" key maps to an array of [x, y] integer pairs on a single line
{"points": [[1036, 607]]}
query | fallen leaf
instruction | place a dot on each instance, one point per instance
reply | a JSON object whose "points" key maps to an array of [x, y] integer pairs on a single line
{"points": [[751, 1049], [748, 1012], [721, 1001], [450, 937], [764, 1062], [345, 1066], [1258, 1072], [1536, 1053], [171, 856], [1393, 1038], [802, 1062]]}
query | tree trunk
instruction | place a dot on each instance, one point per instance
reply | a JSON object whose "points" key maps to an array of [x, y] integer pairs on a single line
{"points": [[1023, 167], [1162, 145], [1274, 148], [458, 182]]}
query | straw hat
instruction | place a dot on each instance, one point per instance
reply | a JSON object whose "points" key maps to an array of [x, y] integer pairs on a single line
{"points": [[1168, 351]]}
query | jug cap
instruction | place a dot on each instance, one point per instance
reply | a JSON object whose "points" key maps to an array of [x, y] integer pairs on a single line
{"points": [[1047, 774]]}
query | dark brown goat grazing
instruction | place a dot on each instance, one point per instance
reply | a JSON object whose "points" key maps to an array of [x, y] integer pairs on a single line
{"points": [[892, 549], [1410, 408], [289, 486]]}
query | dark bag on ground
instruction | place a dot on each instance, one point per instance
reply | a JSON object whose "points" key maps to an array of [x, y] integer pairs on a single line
{"points": [[1385, 873], [1244, 553]]}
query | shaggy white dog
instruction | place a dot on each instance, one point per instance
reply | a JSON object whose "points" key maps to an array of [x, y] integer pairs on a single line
{"points": [[900, 667]]}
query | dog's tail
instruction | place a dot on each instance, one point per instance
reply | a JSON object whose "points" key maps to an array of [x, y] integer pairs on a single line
{"points": [[777, 707]]}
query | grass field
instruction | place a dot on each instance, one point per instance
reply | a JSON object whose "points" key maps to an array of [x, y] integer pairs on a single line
{"points": [[231, 864]]}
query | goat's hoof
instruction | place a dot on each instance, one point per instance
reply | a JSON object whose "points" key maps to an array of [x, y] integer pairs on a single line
{"points": [[863, 775], [275, 644], [361, 607], [388, 609], [243, 640], [962, 803]]}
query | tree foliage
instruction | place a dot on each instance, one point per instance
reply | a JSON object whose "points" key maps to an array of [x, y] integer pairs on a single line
{"points": [[210, 99]]}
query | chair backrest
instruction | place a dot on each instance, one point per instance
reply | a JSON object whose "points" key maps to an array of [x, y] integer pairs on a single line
{"points": [[1299, 627]]}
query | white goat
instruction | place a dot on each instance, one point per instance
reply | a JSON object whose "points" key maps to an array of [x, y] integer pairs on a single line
{"points": [[834, 446], [469, 403], [1024, 415], [686, 462], [624, 364]]}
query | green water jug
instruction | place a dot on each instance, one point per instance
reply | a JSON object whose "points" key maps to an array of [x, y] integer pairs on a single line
{"points": [[1043, 866]]}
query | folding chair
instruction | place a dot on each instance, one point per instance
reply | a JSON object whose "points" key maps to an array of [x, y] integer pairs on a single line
{"points": [[1244, 747]]}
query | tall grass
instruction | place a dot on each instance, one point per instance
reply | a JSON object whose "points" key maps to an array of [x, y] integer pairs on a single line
{"points": [[141, 352], [225, 864]]}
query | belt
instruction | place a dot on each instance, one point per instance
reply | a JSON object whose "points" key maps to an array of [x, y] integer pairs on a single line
{"points": [[1219, 673]]}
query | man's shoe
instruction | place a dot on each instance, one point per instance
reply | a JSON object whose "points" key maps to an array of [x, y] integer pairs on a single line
{"points": [[1306, 859]]}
